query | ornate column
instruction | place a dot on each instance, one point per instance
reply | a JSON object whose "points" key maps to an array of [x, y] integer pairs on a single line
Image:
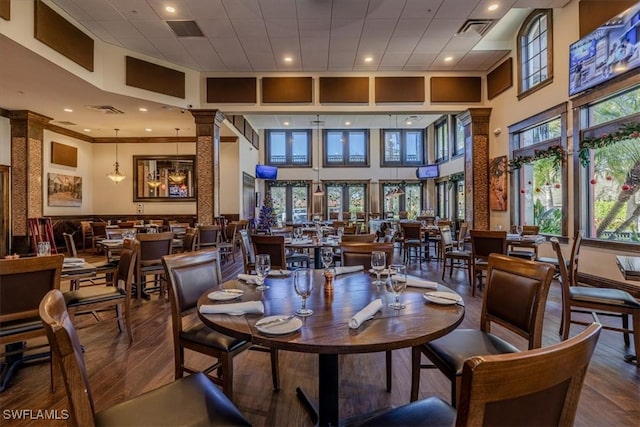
{"points": [[476, 167], [27, 194], [208, 164]]}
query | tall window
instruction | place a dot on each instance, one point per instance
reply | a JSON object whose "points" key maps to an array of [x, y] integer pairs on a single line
{"points": [[290, 200], [402, 147], [346, 197], [458, 146], [442, 200], [290, 148], [535, 56], [410, 201], [442, 140], [346, 147], [609, 153], [539, 171]]}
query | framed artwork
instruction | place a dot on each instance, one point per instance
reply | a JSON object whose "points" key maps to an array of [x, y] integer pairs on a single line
{"points": [[65, 155], [498, 190], [64, 190]]}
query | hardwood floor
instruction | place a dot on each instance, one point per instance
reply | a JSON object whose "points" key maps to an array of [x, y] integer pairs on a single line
{"points": [[117, 371]]}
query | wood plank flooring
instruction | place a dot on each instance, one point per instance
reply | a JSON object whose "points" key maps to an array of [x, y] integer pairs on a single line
{"points": [[117, 371]]}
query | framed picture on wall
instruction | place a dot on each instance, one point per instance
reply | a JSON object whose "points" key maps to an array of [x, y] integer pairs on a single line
{"points": [[498, 190], [64, 190]]}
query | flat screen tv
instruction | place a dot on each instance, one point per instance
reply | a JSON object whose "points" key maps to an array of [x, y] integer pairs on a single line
{"points": [[609, 51], [266, 172], [428, 172]]}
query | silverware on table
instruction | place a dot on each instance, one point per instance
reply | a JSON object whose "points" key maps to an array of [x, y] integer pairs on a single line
{"points": [[276, 321]]}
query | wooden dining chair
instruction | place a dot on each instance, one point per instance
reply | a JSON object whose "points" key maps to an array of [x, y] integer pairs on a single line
{"points": [[107, 267], [151, 249], [360, 253], [193, 400], [358, 238], [514, 298], [23, 284], [99, 232], [413, 244], [210, 236], [450, 252], [538, 387], [273, 246], [597, 302], [87, 233], [484, 243], [190, 276], [248, 256]]}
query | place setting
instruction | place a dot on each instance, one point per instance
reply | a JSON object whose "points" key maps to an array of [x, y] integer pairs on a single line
{"points": [[225, 294]]}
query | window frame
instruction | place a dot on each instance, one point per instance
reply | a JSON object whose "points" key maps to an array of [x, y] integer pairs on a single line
{"points": [[288, 151], [457, 151], [443, 122], [345, 163], [524, 31], [345, 185], [402, 199], [403, 148], [289, 185]]}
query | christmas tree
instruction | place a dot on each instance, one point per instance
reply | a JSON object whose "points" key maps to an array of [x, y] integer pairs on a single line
{"points": [[267, 218]]}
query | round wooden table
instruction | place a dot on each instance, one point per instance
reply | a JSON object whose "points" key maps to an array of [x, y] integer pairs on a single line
{"points": [[327, 333]]}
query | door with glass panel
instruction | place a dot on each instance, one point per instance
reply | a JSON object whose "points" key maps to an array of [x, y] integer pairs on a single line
{"points": [[290, 201], [398, 197], [346, 197]]}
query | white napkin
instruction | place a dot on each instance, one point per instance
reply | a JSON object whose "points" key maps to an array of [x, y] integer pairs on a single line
{"points": [[511, 236], [235, 309], [365, 314], [73, 261], [417, 282], [249, 278], [348, 269]]}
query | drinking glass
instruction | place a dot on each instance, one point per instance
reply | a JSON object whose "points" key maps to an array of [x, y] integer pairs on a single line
{"points": [[396, 283], [327, 257], [263, 265], [297, 233], [519, 229], [303, 285], [378, 263], [44, 249]]}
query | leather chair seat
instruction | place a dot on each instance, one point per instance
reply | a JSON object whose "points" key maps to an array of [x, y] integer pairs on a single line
{"points": [[92, 294], [413, 242], [603, 296], [454, 348], [458, 253], [523, 254], [548, 260], [203, 335], [432, 411], [19, 326], [192, 401]]}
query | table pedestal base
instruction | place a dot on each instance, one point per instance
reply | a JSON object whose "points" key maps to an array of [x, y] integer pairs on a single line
{"points": [[325, 412]]}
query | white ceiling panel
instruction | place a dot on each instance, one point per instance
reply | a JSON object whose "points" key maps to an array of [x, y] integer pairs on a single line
{"points": [[402, 44], [242, 9], [284, 47], [278, 9], [256, 45], [451, 9], [211, 9], [482, 9], [431, 45], [73, 9], [135, 10], [249, 28], [314, 28], [216, 28], [441, 28], [346, 28], [263, 61], [392, 61], [372, 45], [202, 52], [99, 9], [96, 28], [352, 9], [381, 9], [421, 9], [378, 28], [282, 28], [410, 28], [182, 10], [153, 29], [313, 9], [121, 30], [462, 43]]}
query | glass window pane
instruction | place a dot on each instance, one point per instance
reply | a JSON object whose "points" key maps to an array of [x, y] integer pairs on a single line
{"points": [[356, 199], [413, 146], [279, 196], [299, 147], [391, 146], [334, 198], [357, 147], [277, 147], [334, 147], [300, 204]]}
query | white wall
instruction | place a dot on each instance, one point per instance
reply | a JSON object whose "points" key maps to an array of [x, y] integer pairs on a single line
{"points": [[5, 141], [230, 178]]}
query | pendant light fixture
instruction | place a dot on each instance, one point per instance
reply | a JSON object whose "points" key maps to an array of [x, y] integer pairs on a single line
{"points": [[177, 175], [318, 191], [153, 181], [116, 176]]}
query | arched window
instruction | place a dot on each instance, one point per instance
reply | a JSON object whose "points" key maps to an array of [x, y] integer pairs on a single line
{"points": [[535, 55]]}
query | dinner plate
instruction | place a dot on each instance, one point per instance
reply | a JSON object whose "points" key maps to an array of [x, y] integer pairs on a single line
{"points": [[441, 297], [73, 261], [278, 328], [226, 295], [279, 273], [384, 272]]}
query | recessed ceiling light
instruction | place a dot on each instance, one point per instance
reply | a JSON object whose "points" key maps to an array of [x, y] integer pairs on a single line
{"points": [[286, 123], [170, 9], [408, 122], [288, 59], [493, 7], [368, 59], [448, 58], [143, 109], [87, 130], [68, 110], [347, 123], [148, 129]]}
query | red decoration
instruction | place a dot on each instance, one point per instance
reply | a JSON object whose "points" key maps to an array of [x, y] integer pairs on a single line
{"points": [[625, 187], [609, 178], [557, 185], [593, 181], [522, 190], [163, 186]]}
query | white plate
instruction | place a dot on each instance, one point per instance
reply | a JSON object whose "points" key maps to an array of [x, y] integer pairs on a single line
{"points": [[384, 272], [279, 328], [226, 295], [279, 273], [441, 297]]}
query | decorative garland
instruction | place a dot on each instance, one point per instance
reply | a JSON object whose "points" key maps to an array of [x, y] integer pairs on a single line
{"points": [[556, 153], [627, 131], [458, 176]]}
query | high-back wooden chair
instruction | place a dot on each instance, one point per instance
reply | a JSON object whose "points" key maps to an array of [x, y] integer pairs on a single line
{"points": [[484, 243], [190, 276], [358, 238], [23, 284], [273, 246], [538, 387], [514, 298], [413, 243], [151, 249], [360, 253], [450, 252], [210, 236], [248, 256], [99, 232], [598, 302], [194, 400], [87, 232]]}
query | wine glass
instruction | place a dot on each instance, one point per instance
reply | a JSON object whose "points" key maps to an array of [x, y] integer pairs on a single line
{"points": [[327, 257], [303, 285], [263, 265], [378, 263], [396, 283], [297, 233], [519, 229]]}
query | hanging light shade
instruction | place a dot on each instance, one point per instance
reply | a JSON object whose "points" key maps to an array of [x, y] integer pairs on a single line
{"points": [[115, 175], [318, 191], [153, 181], [177, 175]]}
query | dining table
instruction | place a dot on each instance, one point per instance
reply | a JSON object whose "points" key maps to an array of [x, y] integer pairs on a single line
{"points": [[74, 271], [327, 332], [315, 244]]}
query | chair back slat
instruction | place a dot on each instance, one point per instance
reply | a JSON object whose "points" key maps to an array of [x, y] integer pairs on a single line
{"points": [[485, 242]]}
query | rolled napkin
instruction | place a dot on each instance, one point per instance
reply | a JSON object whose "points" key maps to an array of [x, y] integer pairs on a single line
{"points": [[348, 269], [416, 282], [249, 278], [73, 261], [365, 314], [235, 309], [511, 236]]}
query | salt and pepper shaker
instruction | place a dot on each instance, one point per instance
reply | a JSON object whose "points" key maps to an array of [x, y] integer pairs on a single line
{"points": [[328, 280]]}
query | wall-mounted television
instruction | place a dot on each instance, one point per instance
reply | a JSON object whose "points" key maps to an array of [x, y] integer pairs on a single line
{"points": [[266, 172], [428, 172], [609, 51]]}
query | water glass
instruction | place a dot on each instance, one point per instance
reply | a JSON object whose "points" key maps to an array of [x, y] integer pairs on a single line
{"points": [[263, 265], [44, 249], [303, 285], [396, 283], [327, 257], [378, 263], [519, 229]]}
